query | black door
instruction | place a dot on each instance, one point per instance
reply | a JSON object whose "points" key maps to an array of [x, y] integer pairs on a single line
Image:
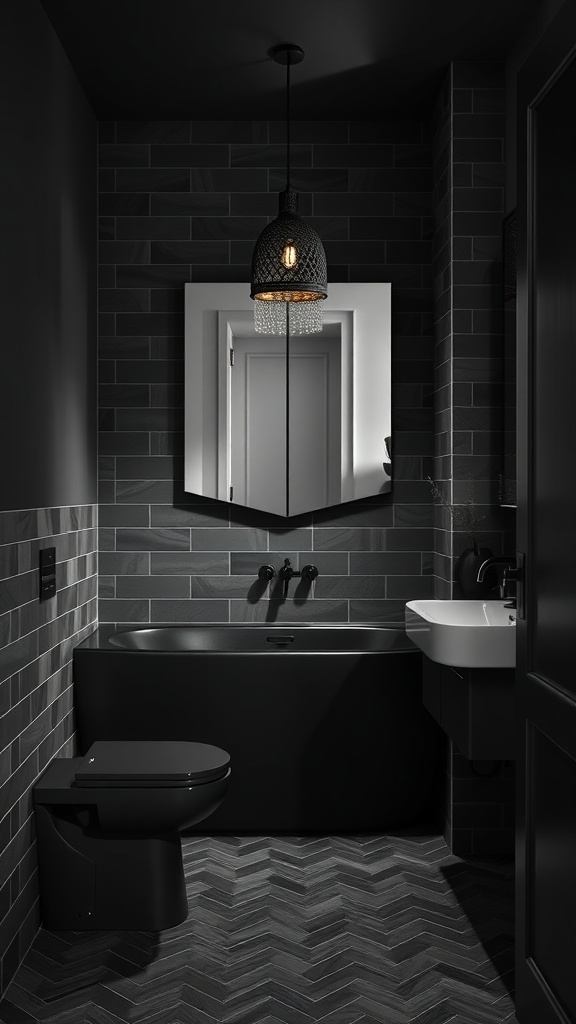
{"points": [[546, 849]]}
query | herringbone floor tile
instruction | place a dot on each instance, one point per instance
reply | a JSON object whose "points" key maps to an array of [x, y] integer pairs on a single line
{"points": [[287, 930]]}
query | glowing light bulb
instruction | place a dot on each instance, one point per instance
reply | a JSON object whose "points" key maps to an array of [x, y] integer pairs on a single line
{"points": [[289, 255]]}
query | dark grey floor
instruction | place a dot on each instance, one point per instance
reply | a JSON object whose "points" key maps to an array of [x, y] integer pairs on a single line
{"points": [[335, 929]]}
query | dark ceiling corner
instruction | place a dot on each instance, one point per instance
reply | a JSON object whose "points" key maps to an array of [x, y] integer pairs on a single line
{"points": [[365, 59]]}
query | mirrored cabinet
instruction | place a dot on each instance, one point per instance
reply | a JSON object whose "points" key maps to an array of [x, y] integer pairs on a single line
{"points": [[287, 425]]}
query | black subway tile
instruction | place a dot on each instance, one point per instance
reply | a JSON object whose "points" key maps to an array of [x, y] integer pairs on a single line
{"points": [[123, 155], [124, 203], [153, 179], [412, 203], [478, 126], [385, 227], [413, 155], [190, 611], [368, 587], [270, 156], [378, 611], [471, 150], [197, 251], [190, 562], [310, 131], [120, 347], [123, 443], [218, 273], [484, 200], [384, 563], [355, 155], [227, 227], [124, 563], [234, 179], [152, 468], [278, 610], [192, 155], [152, 586], [229, 131], [123, 395], [124, 252], [385, 131], [191, 204], [145, 491], [153, 131], [156, 371], [353, 204], [152, 540], [123, 611], [188, 515], [317, 179], [399, 179], [123, 515], [152, 276], [148, 419], [152, 227], [126, 300], [410, 588]]}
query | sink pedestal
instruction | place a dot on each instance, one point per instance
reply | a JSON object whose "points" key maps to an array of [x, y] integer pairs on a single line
{"points": [[474, 706]]}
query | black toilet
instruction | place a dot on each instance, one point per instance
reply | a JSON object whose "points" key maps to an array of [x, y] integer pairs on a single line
{"points": [[108, 828]]}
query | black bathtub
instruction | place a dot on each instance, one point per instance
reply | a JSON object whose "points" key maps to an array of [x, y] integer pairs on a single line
{"points": [[324, 724]]}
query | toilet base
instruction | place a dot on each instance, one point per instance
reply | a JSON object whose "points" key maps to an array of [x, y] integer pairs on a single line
{"points": [[92, 881]]}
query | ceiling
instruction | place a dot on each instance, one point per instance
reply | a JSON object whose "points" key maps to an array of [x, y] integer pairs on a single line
{"points": [[209, 59]]}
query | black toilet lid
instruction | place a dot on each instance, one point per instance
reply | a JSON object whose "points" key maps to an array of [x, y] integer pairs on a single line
{"points": [[148, 761]]}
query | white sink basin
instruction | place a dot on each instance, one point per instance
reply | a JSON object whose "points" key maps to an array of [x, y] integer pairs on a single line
{"points": [[465, 634]]}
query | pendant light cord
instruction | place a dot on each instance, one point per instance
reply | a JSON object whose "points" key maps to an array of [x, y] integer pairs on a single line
{"points": [[288, 124]]}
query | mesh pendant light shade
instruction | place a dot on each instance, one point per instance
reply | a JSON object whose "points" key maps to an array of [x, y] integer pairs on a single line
{"points": [[289, 262], [288, 280]]}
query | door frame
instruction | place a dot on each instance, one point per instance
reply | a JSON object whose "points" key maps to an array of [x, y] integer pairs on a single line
{"points": [[536, 1004]]}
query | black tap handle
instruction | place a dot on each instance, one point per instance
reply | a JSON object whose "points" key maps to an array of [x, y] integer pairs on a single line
{"points": [[309, 572], [266, 572]]}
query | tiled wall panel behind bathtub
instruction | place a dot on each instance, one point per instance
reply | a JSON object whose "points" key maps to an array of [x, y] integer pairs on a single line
{"points": [[185, 201], [36, 643]]}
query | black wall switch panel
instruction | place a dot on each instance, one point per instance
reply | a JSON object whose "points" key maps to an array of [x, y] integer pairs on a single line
{"points": [[47, 573]]}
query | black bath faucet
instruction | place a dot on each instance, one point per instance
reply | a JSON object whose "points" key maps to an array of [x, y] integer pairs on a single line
{"points": [[287, 572], [308, 572], [267, 572]]}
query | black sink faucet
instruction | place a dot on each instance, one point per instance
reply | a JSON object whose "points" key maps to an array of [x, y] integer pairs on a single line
{"points": [[509, 574]]}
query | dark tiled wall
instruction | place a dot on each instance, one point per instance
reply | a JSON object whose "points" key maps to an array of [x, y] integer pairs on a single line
{"points": [[468, 159], [47, 270], [185, 201], [479, 806], [36, 643], [47, 426], [468, 132], [442, 274]]}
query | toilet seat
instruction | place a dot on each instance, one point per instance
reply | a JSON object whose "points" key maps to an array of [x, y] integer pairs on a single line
{"points": [[144, 764]]}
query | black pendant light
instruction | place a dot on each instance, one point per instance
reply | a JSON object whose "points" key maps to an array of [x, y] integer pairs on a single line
{"points": [[289, 262]]}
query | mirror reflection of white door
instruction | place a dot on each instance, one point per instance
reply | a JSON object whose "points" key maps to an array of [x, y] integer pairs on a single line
{"points": [[258, 422]]}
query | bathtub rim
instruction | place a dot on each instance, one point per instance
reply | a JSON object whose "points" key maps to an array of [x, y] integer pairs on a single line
{"points": [[99, 639]]}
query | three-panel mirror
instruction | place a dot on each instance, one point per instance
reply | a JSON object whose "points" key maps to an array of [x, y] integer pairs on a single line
{"points": [[287, 425]]}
